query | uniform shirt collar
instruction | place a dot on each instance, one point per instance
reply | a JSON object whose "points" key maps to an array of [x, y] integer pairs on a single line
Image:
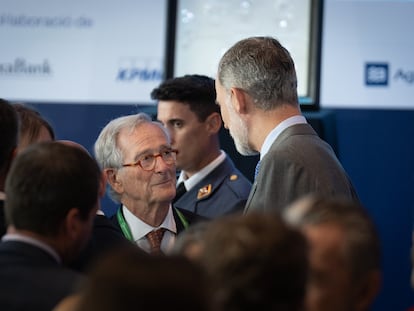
{"points": [[197, 177]]}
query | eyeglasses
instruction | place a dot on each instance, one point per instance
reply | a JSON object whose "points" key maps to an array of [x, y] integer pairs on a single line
{"points": [[147, 161]]}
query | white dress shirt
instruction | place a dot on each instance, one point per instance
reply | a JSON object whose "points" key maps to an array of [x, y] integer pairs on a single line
{"points": [[139, 230]]}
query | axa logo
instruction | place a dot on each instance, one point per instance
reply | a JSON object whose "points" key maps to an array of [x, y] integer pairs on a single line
{"points": [[406, 76], [21, 67], [139, 71]]}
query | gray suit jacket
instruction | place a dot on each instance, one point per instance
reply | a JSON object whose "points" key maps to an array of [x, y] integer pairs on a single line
{"points": [[298, 163]]}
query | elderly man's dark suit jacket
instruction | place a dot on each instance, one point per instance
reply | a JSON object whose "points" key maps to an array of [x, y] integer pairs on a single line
{"points": [[31, 279], [3, 227], [298, 163], [105, 238], [225, 190]]}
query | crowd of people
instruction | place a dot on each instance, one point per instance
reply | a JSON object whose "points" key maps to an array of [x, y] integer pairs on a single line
{"points": [[190, 232]]}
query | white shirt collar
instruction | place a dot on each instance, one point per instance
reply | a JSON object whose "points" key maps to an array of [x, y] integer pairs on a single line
{"points": [[29, 240], [139, 228], [197, 177], [274, 134]]}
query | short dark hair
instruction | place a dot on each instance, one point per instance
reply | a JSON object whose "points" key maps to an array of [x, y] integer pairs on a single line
{"points": [[31, 121], [196, 91], [256, 262], [9, 129], [45, 181]]}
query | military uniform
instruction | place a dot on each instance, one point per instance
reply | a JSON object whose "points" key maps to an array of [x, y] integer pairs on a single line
{"points": [[223, 191]]}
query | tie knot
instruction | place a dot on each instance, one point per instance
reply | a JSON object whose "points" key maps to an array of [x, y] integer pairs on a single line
{"points": [[154, 238]]}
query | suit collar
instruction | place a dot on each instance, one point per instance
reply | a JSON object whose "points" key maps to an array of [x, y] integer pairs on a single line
{"points": [[276, 132], [26, 251], [298, 129]]}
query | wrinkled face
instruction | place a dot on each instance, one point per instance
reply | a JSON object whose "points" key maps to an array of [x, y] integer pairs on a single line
{"points": [[188, 134], [135, 185], [233, 122], [330, 284]]}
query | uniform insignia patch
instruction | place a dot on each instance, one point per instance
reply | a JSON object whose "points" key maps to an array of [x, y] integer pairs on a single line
{"points": [[204, 191], [233, 177]]}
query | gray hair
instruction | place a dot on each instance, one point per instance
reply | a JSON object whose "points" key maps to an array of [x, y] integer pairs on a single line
{"points": [[362, 246], [107, 152], [264, 69]]}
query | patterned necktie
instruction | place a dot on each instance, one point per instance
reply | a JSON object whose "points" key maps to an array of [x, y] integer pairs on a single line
{"points": [[154, 239], [256, 171], [180, 191]]}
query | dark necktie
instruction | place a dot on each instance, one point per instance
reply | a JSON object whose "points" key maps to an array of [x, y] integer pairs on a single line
{"points": [[180, 191], [154, 239], [256, 171]]}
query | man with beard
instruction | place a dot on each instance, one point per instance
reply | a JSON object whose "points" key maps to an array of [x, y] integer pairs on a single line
{"points": [[256, 89]]}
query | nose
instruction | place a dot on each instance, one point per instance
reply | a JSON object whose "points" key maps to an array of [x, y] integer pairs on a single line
{"points": [[161, 166]]}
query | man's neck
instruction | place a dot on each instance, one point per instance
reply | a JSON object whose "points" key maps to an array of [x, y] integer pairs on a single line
{"points": [[206, 160]]}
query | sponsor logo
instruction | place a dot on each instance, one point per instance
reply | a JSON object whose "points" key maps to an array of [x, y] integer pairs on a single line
{"points": [[376, 74], [135, 70], [406, 76], [22, 67]]}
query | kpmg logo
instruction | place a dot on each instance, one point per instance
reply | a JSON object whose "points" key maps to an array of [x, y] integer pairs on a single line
{"points": [[376, 74], [137, 70], [24, 68]]}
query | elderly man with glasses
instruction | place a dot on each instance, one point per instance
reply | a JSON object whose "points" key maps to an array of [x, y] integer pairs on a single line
{"points": [[136, 157]]}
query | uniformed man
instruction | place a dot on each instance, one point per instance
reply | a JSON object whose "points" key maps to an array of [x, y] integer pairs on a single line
{"points": [[208, 184]]}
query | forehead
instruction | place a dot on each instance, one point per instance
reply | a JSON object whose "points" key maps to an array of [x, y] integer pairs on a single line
{"points": [[171, 109], [144, 137], [220, 90]]}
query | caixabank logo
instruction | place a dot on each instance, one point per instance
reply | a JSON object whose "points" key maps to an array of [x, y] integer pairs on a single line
{"points": [[131, 70], [21, 67], [379, 74]]}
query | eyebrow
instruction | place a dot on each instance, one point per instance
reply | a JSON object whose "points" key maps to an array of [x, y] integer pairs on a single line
{"points": [[151, 151]]}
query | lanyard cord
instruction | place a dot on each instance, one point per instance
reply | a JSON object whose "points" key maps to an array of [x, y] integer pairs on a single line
{"points": [[127, 231], [124, 226]]}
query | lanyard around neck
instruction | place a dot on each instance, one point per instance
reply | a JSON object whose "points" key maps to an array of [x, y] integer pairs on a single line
{"points": [[124, 226], [127, 231]]}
